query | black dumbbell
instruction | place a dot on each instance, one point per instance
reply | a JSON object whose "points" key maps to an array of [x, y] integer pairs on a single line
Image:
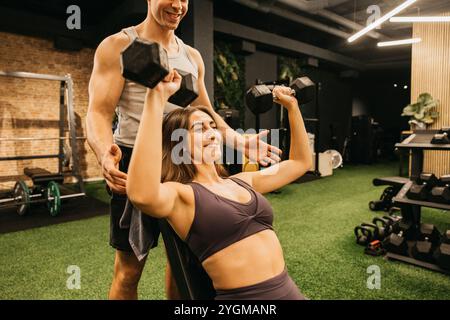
{"points": [[144, 62], [422, 187], [423, 250], [406, 228], [259, 98], [147, 63], [188, 91], [442, 252], [428, 239], [396, 243], [429, 232], [441, 193], [446, 237], [442, 256]]}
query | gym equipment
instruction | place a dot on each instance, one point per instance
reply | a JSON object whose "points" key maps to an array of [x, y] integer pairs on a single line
{"points": [[385, 202], [365, 140], [396, 243], [144, 62], [53, 198], [406, 228], [423, 250], [363, 234], [393, 212], [384, 226], [427, 240], [193, 283], [21, 195], [147, 63], [446, 237], [422, 187], [66, 154], [428, 232], [441, 193], [45, 190], [375, 248], [442, 137], [442, 256], [188, 91], [259, 98]]}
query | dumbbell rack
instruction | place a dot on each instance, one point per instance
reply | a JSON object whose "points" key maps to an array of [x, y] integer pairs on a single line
{"points": [[415, 144]]}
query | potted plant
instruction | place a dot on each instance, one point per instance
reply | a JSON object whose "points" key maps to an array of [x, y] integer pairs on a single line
{"points": [[423, 112]]}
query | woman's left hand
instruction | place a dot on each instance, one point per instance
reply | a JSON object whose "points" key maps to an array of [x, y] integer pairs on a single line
{"points": [[283, 95]]}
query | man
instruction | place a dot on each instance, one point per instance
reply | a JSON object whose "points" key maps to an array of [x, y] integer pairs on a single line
{"points": [[110, 92]]}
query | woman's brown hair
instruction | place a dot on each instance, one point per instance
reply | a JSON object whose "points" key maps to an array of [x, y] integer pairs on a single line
{"points": [[183, 172]]}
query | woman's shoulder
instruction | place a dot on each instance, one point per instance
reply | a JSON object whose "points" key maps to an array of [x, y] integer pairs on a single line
{"points": [[184, 191], [243, 176]]}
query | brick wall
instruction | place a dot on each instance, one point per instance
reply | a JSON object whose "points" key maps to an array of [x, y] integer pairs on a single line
{"points": [[30, 108]]}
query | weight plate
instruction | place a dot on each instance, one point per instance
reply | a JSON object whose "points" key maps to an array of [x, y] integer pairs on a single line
{"points": [[53, 198], [21, 195]]}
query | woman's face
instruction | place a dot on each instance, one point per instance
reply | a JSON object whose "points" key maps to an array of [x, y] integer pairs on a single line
{"points": [[205, 141]]}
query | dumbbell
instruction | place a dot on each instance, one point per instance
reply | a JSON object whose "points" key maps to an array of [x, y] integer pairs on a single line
{"points": [[422, 187], [429, 238], [402, 231], [396, 243], [442, 256], [443, 137], [147, 63], [259, 98], [441, 193], [442, 252]]}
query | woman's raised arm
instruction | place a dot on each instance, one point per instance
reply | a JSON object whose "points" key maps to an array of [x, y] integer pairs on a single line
{"points": [[300, 158], [144, 187]]}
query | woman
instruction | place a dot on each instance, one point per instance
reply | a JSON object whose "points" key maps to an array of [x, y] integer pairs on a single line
{"points": [[226, 222]]}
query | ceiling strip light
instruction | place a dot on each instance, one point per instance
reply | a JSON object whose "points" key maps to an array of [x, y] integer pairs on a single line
{"points": [[421, 19], [399, 42], [378, 22]]}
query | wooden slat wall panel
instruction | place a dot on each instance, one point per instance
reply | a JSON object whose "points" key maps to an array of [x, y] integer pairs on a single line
{"points": [[431, 73]]}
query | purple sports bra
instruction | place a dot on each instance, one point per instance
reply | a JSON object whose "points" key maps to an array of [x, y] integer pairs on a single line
{"points": [[220, 222]]}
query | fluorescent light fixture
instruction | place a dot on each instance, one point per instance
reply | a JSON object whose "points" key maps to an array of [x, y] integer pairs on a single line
{"points": [[378, 22], [420, 19], [399, 42]]}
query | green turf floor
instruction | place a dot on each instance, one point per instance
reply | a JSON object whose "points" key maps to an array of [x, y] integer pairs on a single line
{"points": [[314, 222]]}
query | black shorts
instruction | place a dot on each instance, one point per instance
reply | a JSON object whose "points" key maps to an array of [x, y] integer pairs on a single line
{"points": [[118, 238]]}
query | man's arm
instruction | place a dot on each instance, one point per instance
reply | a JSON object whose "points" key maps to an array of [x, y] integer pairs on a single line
{"points": [[266, 153], [105, 88], [203, 98]]}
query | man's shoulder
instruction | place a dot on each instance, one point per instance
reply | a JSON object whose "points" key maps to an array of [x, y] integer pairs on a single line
{"points": [[114, 43], [195, 54]]}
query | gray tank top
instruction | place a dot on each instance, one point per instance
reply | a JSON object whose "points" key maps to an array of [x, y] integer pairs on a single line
{"points": [[131, 102]]}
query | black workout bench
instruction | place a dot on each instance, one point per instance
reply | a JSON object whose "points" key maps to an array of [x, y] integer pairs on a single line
{"points": [[193, 283], [42, 177]]}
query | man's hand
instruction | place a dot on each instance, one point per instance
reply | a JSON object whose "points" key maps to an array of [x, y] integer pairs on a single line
{"points": [[257, 150], [115, 179]]}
